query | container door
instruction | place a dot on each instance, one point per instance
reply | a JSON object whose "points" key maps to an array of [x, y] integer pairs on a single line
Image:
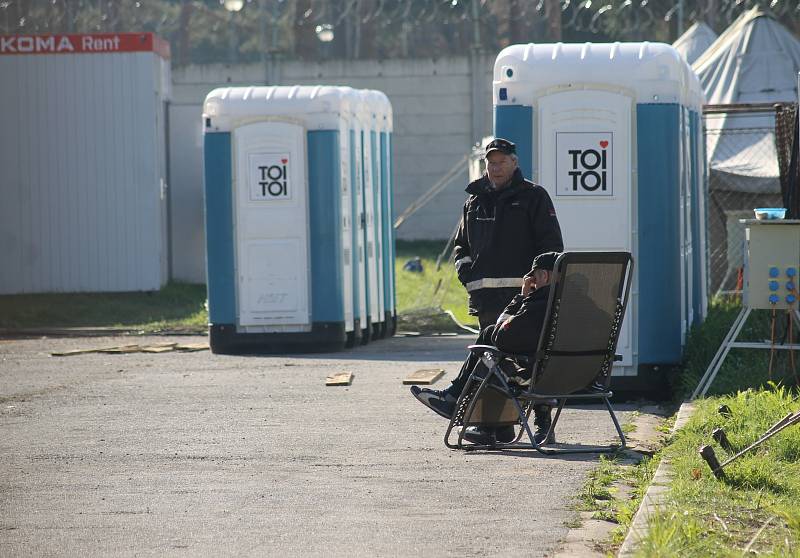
{"points": [[271, 222], [584, 155]]}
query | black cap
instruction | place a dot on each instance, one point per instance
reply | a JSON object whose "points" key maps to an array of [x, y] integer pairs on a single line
{"points": [[501, 145], [545, 261]]}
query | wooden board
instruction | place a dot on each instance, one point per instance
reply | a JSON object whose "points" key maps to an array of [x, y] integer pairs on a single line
{"points": [[191, 347], [159, 348], [339, 379], [74, 352], [123, 349], [425, 377]]}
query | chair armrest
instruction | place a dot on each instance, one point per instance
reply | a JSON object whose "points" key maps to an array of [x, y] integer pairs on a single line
{"points": [[485, 349]]}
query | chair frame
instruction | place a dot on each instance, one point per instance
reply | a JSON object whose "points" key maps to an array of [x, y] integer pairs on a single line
{"points": [[491, 357]]}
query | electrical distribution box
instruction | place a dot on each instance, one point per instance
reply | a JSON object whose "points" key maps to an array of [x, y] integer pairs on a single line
{"points": [[771, 264]]}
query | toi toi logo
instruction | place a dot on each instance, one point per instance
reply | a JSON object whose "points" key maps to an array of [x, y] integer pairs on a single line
{"points": [[588, 168], [273, 180]]}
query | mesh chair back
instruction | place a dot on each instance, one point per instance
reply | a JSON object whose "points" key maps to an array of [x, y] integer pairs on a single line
{"points": [[587, 303]]}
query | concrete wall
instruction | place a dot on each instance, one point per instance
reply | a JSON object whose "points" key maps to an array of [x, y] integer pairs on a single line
{"points": [[441, 108]]}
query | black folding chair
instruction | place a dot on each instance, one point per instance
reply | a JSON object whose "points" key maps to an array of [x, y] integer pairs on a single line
{"points": [[572, 360]]}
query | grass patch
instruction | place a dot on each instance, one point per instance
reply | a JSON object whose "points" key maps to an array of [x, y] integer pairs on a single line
{"points": [[421, 297], [419, 294], [743, 368], [615, 489], [707, 517], [178, 306]]}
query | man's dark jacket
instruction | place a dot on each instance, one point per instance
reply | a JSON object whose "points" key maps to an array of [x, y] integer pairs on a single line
{"points": [[519, 332], [499, 235]]}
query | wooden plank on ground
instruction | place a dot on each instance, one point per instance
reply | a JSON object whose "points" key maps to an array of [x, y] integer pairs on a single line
{"points": [[74, 352], [159, 348], [339, 379], [122, 349], [425, 377], [191, 347]]}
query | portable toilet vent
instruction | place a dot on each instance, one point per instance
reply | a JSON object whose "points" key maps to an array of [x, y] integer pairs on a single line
{"points": [[613, 132], [285, 219]]}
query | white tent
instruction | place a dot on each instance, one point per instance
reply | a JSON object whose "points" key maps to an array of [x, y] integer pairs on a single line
{"points": [[756, 60], [695, 41]]}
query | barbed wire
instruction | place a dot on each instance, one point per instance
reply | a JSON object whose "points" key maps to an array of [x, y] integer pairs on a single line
{"points": [[605, 19]]}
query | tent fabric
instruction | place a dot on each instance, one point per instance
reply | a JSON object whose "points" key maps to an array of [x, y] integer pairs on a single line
{"points": [[695, 41], [755, 60]]}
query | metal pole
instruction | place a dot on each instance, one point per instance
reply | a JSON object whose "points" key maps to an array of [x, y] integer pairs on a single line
{"points": [[680, 18], [262, 40], [476, 26], [231, 39]]}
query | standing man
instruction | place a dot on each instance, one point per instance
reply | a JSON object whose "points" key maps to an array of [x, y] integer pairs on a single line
{"points": [[507, 221]]}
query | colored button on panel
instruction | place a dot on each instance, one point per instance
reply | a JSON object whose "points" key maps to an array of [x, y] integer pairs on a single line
{"points": [[773, 299], [773, 285], [774, 271], [790, 299], [790, 286], [791, 271]]}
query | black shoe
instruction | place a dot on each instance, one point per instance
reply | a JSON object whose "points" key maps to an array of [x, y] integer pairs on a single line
{"points": [[542, 420], [486, 436], [441, 402]]}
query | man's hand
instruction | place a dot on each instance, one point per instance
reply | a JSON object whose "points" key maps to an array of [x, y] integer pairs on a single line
{"points": [[527, 285]]}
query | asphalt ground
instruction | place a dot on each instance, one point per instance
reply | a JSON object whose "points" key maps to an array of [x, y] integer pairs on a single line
{"points": [[195, 454]]}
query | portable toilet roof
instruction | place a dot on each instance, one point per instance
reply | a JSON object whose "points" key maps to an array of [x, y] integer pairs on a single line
{"points": [[321, 107], [382, 108], [694, 41], [755, 60], [652, 72]]}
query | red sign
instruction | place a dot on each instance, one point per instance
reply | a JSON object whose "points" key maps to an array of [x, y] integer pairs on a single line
{"points": [[95, 43]]}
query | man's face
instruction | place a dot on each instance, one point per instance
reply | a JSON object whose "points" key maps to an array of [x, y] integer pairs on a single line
{"points": [[541, 277], [500, 168]]}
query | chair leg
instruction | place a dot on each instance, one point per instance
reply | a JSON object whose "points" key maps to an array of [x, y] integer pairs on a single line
{"points": [[616, 423], [467, 413], [594, 449], [524, 420]]}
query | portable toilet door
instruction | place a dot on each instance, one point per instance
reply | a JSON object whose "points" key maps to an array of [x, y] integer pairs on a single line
{"points": [[687, 204], [699, 216], [371, 271], [386, 211], [360, 310], [376, 116], [348, 253], [273, 280]]}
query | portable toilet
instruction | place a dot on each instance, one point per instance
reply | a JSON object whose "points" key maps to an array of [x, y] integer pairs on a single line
{"points": [[612, 132], [386, 211], [281, 181], [366, 118], [360, 285]]}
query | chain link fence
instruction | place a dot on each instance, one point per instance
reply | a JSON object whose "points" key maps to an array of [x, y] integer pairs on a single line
{"points": [[744, 173]]}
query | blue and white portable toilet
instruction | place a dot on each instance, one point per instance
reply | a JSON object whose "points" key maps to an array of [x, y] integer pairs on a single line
{"points": [[281, 171], [385, 210], [366, 122], [612, 131]]}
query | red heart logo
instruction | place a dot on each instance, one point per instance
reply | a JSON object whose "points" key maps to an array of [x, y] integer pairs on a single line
{"points": [[604, 144], [284, 161]]}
